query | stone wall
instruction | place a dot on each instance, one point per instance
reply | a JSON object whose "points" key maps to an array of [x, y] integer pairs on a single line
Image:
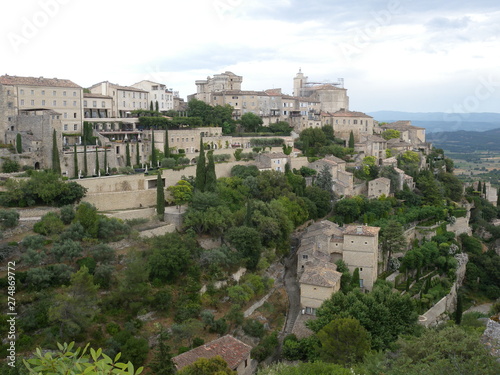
{"points": [[143, 213], [460, 226], [160, 231]]}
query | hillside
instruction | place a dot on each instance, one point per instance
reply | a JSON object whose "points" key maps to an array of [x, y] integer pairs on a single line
{"points": [[440, 121], [466, 141]]}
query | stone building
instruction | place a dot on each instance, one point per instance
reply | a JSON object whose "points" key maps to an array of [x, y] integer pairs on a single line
{"points": [[343, 182], [344, 122], [125, 99], [272, 161], [28, 93], [378, 187], [157, 92]]}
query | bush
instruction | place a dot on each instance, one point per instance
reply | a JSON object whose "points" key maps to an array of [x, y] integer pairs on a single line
{"points": [[67, 214], [102, 253], [49, 225], [168, 163], [253, 328], [9, 218], [10, 166], [66, 250]]}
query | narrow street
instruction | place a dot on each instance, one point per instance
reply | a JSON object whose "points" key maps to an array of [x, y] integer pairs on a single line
{"points": [[292, 288]]}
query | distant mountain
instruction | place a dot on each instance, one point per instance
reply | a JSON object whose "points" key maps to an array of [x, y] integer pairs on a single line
{"points": [[466, 141], [441, 121]]}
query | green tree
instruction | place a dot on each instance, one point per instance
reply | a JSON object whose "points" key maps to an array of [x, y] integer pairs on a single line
{"points": [[250, 122], [127, 156], [49, 225], [9, 166], [96, 161], [351, 140], [153, 150], [479, 188], [75, 307], [19, 143], [85, 166], [151, 106], [160, 197], [86, 215], [305, 368], [343, 341], [106, 166], [137, 155], [201, 172], [460, 309], [210, 177], [248, 242], [182, 192], [56, 164], [162, 363], [204, 366], [390, 134], [75, 162], [355, 280], [392, 239], [157, 106], [325, 180], [70, 361], [166, 147]]}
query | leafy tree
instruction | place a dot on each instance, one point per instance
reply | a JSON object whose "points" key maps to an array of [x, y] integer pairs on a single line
{"points": [[351, 140], [10, 166], [182, 192], [210, 177], [250, 122], [343, 341], [56, 163], [204, 366], [75, 307], [160, 197], [201, 172], [9, 218], [355, 280], [69, 361], [86, 215], [49, 225], [19, 143], [390, 134], [321, 200], [392, 239], [247, 241]]}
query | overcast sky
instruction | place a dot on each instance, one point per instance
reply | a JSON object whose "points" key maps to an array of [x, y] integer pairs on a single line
{"points": [[407, 55]]}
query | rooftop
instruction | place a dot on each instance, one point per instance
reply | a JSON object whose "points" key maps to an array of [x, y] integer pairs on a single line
{"points": [[400, 125], [232, 350], [37, 81], [361, 230], [345, 113], [326, 275]]}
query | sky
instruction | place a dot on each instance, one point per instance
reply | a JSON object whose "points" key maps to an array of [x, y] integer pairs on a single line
{"points": [[402, 55]]}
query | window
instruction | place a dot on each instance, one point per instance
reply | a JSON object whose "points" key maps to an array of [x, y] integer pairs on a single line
{"points": [[84, 103], [124, 94], [124, 103], [65, 126], [8, 92], [64, 93], [74, 103], [65, 103], [75, 127], [21, 92], [366, 243], [361, 283], [53, 93], [133, 104], [305, 256], [94, 103], [54, 103], [32, 92], [172, 139], [74, 93], [65, 115], [103, 104], [22, 101], [32, 102], [352, 241], [9, 104], [43, 102], [133, 95], [74, 115]]}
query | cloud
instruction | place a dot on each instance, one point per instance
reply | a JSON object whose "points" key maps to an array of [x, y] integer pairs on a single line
{"points": [[440, 23]]}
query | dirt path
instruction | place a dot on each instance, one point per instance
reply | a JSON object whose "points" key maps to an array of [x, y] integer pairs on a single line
{"points": [[484, 308], [292, 289]]}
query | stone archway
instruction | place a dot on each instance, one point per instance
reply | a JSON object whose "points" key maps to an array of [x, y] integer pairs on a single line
{"points": [[37, 165]]}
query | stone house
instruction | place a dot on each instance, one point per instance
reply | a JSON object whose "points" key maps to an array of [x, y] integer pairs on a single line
{"points": [[274, 161], [235, 352], [343, 182], [323, 244], [378, 187], [125, 99]]}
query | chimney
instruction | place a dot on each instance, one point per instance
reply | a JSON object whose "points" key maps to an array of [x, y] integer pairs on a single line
{"points": [[359, 229]]}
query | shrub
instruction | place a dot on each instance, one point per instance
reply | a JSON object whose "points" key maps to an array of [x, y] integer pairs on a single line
{"points": [[49, 225], [253, 328], [10, 166], [9, 218], [67, 214]]}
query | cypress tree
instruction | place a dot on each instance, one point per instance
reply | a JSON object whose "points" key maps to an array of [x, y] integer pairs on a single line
{"points": [[211, 178], [484, 188], [479, 186], [56, 164], [157, 106], [105, 159], [127, 155], [96, 161], [19, 144], [355, 279], [460, 309], [166, 148], [137, 155], [160, 197], [201, 171], [85, 169], [75, 162], [153, 150], [151, 106], [351, 140]]}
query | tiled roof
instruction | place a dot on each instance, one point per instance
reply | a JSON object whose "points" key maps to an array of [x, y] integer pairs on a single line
{"points": [[400, 125], [326, 276], [326, 86], [240, 92], [232, 350], [274, 92], [37, 81], [362, 230], [344, 113], [384, 180]]}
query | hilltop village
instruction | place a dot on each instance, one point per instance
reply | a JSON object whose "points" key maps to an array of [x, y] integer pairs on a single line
{"points": [[236, 230]]}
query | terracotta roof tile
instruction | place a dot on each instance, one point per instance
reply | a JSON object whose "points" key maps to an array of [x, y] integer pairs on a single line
{"points": [[344, 113], [232, 350], [361, 230], [326, 276], [37, 81]]}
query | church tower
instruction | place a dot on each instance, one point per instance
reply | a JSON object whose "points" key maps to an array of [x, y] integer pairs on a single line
{"points": [[299, 83]]}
